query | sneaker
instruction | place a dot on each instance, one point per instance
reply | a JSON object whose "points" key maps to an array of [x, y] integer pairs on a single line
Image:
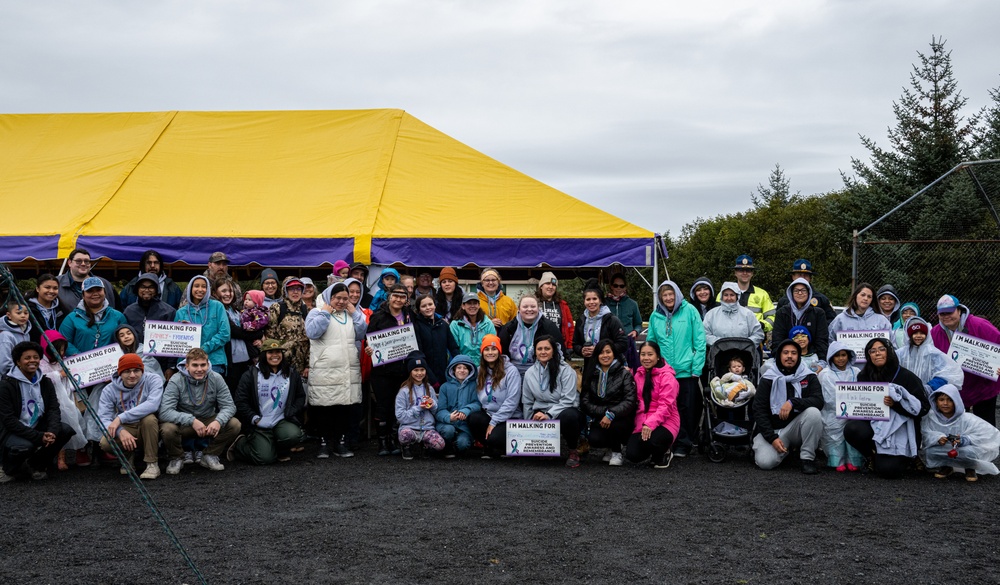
{"points": [[175, 465], [82, 458], [617, 459], [407, 453], [664, 461], [39, 475], [123, 470], [211, 462], [341, 450], [809, 467], [574, 459], [4, 478], [583, 447], [231, 451], [198, 455], [682, 451], [970, 475], [324, 451], [188, 458], [152, 471], [943, 473], [607, 456]]}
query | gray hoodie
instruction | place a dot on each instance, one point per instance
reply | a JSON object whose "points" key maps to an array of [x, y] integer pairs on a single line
{"points": [[11, 335], [185, 398], [130, 405]]}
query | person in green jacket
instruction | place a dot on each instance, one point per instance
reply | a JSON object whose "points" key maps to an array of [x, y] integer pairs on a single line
{"points": [[676, 327]]}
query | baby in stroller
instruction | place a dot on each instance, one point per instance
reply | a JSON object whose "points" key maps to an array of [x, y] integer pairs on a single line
{"points": [[733, 388]]}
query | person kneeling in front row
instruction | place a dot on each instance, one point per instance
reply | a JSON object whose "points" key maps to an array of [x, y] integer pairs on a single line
{"points": [[128, 408], [269, 404], [786, 410], [31, 427], [197, 403]]}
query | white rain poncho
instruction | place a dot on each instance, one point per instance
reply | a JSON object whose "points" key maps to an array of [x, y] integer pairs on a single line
{"points": [[928, 362], [979, 441], [838, 452]]}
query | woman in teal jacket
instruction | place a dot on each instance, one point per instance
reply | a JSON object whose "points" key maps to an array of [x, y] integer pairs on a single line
{"points": [[676, 327], [470, 326], [201, 309]]}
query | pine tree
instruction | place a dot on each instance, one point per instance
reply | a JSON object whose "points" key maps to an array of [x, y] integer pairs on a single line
{"points": [[777, 193]]}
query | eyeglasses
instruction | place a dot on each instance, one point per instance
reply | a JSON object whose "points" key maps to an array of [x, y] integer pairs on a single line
{"points": [[490, 280], [617, 286], [147, 287], [799, 291], [398, 295], [877, 350], [82, 262]]}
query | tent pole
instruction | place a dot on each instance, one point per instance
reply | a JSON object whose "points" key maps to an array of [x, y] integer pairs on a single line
{"points": [[656, 267]]}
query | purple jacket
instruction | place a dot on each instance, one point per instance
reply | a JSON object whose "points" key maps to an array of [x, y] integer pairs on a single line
{"points": [[975, 389]]}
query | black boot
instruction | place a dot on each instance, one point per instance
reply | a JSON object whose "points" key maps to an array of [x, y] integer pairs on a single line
{"points": [[394, 444], [383, 446]]}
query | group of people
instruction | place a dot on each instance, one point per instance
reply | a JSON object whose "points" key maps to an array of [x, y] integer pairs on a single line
{"points": [[287, 360]]}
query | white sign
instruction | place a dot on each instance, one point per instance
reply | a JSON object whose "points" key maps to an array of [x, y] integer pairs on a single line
{"points": [[95, 366], [533, 438], [392, 345], [857, 340], [862, 400], [975, 356], [170, 339]]}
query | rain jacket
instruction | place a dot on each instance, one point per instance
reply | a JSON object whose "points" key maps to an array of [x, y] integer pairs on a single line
{"points": [[334, 355], [381, 295], [211, 315], [849, 321], [712, 303], [662, 411], [838, 452], [979, 442], [82, 337], [759, 303], [899, 338], [975, 389], [469, 338], [680, 334], [930, 365], [731, 320]]}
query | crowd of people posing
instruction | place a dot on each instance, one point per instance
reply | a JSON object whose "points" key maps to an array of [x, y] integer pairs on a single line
{"points": [[291, 360]]}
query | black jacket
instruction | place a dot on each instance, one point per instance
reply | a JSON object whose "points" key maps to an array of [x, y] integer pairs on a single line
{"points": [[611, 328], [619, 397], [36, 334], [821, 301], [248, 402], [545, 327], [137, 315], [10, 411], [171, 295], [768, 424], [380, 320], [435, 340], [813, 319]]}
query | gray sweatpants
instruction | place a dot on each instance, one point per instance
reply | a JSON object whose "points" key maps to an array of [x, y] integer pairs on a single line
{"points": [[804, 432]]}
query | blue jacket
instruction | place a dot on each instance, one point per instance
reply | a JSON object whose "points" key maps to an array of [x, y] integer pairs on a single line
{"points": [[81, 337], [381, 294], [461, 396], [211, 315]]}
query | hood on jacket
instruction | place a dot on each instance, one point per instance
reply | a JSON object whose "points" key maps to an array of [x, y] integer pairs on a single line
{"points": [[151, 278], [836, 346], [789, 296], [182, 369], [887, 289], [703, 280], [16, 373], [678, 297], [777, 356], [952, 392], [912, 320], [81, 308], [910, 305], [6, 325], [363, 268], [48, 338], [329, 291], [135, 335], [461, 359], [204, 301], [393, 272]]}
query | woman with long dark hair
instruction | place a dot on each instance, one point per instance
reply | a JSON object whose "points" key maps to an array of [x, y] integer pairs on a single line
{"points": [[657, 420], [548, 392], [609, 400]]}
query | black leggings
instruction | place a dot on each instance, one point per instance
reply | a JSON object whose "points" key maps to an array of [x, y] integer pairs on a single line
{"points": [[569, 426], [330, 422], [859, 434], [986, 410], [385, 389], [614, 436], [658, 443], [689, 405], [479, 422]]}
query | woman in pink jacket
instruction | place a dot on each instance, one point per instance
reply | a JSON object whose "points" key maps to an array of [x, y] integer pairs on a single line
{"points": [[657, 420], [978, 393]]}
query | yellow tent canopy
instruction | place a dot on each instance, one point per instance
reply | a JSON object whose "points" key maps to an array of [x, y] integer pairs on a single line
{"points": [[287, 188]]}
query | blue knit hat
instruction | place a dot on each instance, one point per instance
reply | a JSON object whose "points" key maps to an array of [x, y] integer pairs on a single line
{"points": [[799, 330]]}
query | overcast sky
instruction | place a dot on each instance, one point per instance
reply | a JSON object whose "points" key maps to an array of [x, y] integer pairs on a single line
{"points": [[658, 112]]}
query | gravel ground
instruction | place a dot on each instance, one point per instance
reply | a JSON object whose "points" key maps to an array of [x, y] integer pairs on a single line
{"points": [[384, 520]]}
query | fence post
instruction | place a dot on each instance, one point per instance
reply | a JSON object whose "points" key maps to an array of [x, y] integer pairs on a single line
{"points": [[854, 262]]}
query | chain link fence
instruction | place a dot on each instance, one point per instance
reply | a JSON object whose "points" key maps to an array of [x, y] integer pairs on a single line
{"points": [[945, 239]]}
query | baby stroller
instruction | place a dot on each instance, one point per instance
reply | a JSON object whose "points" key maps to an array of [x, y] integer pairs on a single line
{"points": [[729, 424]]}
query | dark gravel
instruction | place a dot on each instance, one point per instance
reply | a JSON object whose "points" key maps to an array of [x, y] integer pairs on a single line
{"points": [[384, 520]]}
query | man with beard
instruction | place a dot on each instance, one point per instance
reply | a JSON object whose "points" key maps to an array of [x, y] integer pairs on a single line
{"points": [[167, 289], [148, 306]]}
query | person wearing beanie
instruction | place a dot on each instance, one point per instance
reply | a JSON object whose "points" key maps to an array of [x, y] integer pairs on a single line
{"points": [[498, 388], [555, 309], [786, 410], [341, 270], [800, 335], [802, 310], [499, 308], [269, 283], [595, 324], [448, 298], [270, 401], [702, 295], [677, 328], [387, 378], [931, 365], [335, 331], [623, 307], [167, 290], [31, 427], [196, 403], [803, 269], [415, 407], [750, 296], [979, 394], [128, 410]]}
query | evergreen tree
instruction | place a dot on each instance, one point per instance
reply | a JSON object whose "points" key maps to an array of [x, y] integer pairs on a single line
{"points": [[777, 193]]}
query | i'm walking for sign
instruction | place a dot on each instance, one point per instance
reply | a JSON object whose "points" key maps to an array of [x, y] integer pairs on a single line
{"points": [[170, 339]]}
